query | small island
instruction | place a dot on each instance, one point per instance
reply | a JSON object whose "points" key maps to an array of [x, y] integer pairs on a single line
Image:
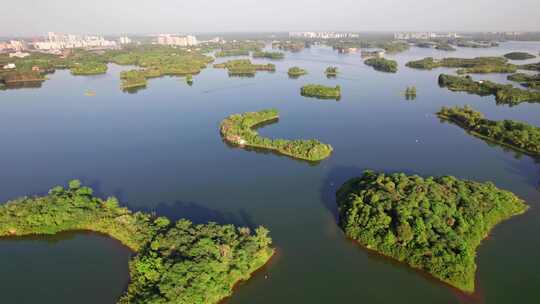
{"points": [[244, 67], [519, 56], [382, 64], [269, 55], [504, 94], [445, 47], [296, 72], [410, 93], [512, 134], [433, 224], [480, 65], [321, 91], [238, 129], [174, 262], [331, 71]]}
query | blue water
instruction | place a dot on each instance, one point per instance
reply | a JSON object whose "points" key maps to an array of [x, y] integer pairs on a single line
{"points": [[160, 150]]}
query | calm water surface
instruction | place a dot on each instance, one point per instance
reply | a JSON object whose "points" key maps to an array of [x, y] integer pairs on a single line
{"points": [[160, 150]]}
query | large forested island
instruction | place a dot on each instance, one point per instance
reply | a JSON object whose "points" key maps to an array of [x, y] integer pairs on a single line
{"points": [[504, 93], [382, 64], [466, 65], [238, 129], [321, 91], [175, 262], [244, 67], [269, 55], [433, 224], [513, 134]]}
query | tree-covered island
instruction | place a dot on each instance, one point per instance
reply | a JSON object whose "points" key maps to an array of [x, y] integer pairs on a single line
{"points": [[331, 71], [504, 93], [321, 91], [238, 129], [432, 224], [480, 65], [244, 67], [519, 56], [269, 55], [296, 72], [526, 80], [531, 66], [175, 262], [382, 64], [513, 134]]}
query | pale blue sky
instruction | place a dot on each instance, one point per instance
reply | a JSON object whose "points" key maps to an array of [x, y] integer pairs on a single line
{"points": [[31, 17]]}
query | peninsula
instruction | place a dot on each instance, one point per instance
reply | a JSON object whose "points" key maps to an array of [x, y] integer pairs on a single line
{"points": [[480, 65], [512, 134], [238, 129], [174, 262], [433, 224]]}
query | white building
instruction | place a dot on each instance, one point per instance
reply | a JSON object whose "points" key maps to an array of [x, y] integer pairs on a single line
{"points": [[10, 66], [60, 41], [168, 39], [124, 40], [423, 35], [322, 35], [18, 55]]}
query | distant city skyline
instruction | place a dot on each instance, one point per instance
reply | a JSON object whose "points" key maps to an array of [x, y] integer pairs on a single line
{"points": [[35, 18]]}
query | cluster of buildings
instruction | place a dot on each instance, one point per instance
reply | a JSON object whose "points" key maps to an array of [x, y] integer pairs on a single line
{"points": [[322, 35], [175, 40], [423, 35], [56, 41], [12, 46]]}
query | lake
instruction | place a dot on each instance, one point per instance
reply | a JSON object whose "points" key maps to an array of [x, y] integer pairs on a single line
{"points": [[159, 150]]}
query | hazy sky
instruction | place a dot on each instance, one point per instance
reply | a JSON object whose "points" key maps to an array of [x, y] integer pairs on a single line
{"points": [[31, 17]]}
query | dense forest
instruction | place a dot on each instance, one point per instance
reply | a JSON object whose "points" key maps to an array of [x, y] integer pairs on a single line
{"points": [[504, 94], [175, 262], [238, 129], [434, 224], [517, 135]]}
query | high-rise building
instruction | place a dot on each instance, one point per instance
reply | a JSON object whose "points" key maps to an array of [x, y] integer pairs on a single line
{"points": [[168, 39]]}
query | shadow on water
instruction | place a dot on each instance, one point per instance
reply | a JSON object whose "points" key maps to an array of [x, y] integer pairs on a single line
{"points": [[336, 177], [198, 214]]}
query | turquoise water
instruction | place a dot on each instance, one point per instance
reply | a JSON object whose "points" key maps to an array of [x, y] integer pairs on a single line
{"points": [[159, 150]]}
